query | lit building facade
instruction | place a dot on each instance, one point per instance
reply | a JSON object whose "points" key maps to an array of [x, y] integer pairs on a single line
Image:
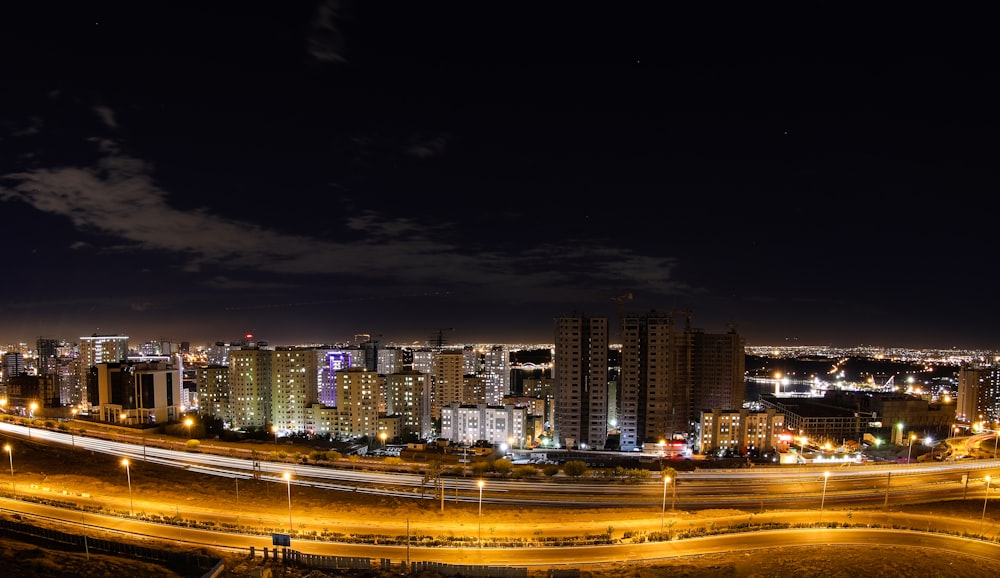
{"points": [[138, 393], [409, 396], [740, 431], [467, 424], [93, 350]]}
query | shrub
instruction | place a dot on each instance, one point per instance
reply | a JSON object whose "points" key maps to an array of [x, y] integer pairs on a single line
{"points": [[575, 468]]}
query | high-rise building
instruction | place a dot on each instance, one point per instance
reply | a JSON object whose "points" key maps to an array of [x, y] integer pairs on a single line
{"points": [[979, 394], [294, 373], [358, 394], [13, 365], [250, 386], [580, 375], [669, 374], [409, 396], [718, 368], [334, 360], [447, 385], [214, 394], [47, 351], [650, 395], [391, 360], [93, 350]]}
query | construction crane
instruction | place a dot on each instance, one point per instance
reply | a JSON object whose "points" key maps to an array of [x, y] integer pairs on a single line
{"points": [[620, 302], [438, 339]]}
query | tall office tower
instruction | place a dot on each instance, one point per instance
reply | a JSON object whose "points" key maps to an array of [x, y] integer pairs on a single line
{"points": [[390, 360], [447, 384], [334, 360], [718, 368], [358, 393], [650, 395], [580, 374], [409, 396], [93, 350], [250, 386], [48, 355], [294, 372], [214, 393], [13, 365]]}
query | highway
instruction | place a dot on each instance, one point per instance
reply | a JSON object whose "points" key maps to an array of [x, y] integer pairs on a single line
{"points": [[551, 557], [787, 487]]}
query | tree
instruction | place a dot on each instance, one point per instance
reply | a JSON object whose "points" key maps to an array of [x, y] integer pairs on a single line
{"points": [[575, 468], [502, 466]]}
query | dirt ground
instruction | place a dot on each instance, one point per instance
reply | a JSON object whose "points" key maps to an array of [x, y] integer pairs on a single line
{"points": [[59, 470]]}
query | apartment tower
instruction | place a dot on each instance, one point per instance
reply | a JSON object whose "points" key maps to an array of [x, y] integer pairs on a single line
{"points": [[580, 374]]}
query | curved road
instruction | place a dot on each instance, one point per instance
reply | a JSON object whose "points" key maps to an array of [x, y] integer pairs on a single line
{"points": [[538, 556]]}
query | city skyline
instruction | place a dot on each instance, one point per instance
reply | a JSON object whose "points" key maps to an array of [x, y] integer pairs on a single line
{"points": [[314, 172]]}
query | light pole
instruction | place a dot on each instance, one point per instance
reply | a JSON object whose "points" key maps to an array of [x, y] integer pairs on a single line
{"points": [[10, 454], [31, 416], [481, 483], [822, 502], [128, 475], [383, 436], [274, 430], [72, 438], [663, 508], [913, 436], [288, 482], [188, 422], [985, 500]]}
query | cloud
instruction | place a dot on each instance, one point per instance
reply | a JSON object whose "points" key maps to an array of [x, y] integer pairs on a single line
{"points": [[118, 197], [325, 42], [107, 116]]}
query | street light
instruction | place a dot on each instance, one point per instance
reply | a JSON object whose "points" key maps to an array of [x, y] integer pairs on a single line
{"points": [[10, 454], [72, 438], [985, 499], [913, 436], [31, 416], [188, 422], [663, 508], [128, 474], [288, 481], [383, 436], [822, 502], [481, 483], [274, 430]]}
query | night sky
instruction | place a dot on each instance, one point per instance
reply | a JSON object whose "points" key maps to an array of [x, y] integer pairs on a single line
{"points": [[308, 171]]}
